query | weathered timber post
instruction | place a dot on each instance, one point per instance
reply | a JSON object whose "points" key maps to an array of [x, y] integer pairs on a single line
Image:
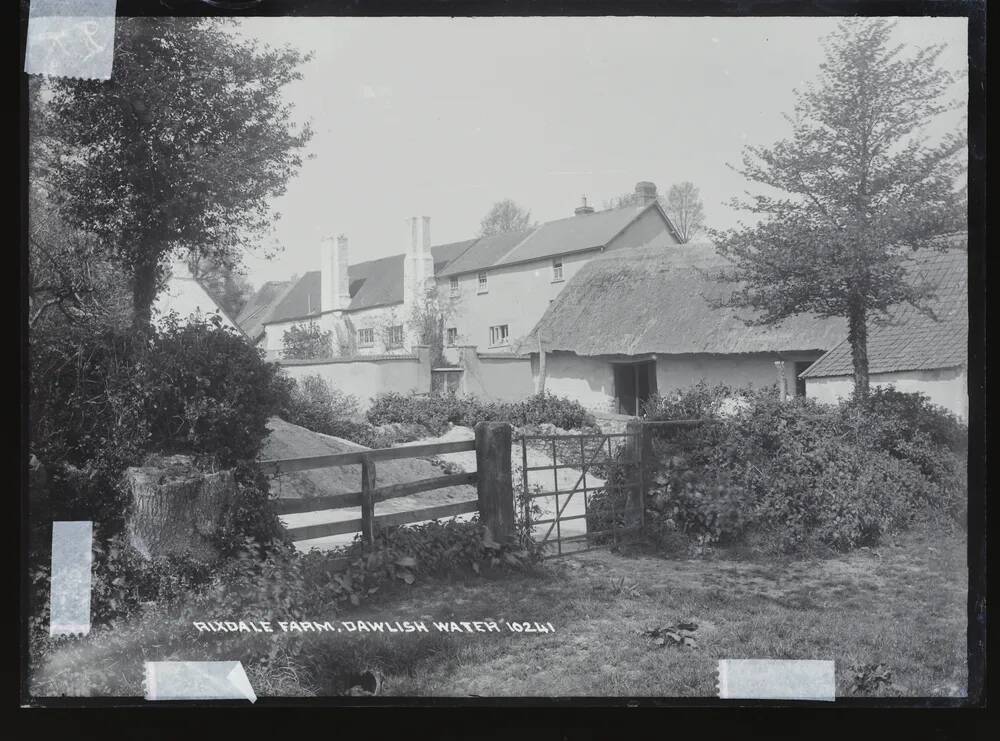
{"points": [[368, 500], [639, 453], [493, 479]]}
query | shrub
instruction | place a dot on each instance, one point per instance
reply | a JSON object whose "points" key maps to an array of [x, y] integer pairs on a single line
{"points": [[102, 399], [805, 472], [436, 412], [316, 405], [694, 402], [208, 392], [306, 342]]}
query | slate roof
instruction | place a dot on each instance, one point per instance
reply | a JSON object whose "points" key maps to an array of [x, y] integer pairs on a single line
{"points": [[260, 307], [372, 283], [911, 339], [380, 282], [654, 300]]}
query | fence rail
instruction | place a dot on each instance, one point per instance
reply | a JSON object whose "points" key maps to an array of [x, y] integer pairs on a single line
{"points": [[494, 495]]}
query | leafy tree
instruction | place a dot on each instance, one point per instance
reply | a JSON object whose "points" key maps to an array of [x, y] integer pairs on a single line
{"points": [[306, 342], [505, 216], [70, 279], [685, 209], [852, 192], [427, 321], [226, 282], [181, 150]]}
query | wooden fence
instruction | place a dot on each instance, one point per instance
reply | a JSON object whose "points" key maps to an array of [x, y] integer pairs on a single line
{"points": [[492, 478]]}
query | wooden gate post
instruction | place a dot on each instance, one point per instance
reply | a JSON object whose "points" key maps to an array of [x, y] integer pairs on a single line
{"points": [[368, 500], [639, 444], [493, 479]]}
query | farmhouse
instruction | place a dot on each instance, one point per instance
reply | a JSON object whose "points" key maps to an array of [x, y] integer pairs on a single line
{"points": [[912, 350], [646, 321], [186, 296], [490, 290]]}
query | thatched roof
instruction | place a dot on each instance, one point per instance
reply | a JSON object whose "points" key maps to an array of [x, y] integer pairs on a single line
{"points": [[659, 300]]}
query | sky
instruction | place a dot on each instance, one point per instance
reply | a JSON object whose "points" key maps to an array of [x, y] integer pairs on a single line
{"points": [[442, 117]]}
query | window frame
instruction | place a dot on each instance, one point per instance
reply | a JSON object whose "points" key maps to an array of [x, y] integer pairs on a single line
{"points": [[557, 270], [364, 332], [451, 336], [503, 341], [482, 282], [393, 343], [454, 287]]}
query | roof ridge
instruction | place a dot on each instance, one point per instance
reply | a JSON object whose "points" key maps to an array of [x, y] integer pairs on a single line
{"points": [[531, 232]]}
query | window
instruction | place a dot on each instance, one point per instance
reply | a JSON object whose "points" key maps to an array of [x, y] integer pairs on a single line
{"points": [[366, 337], [499, 335], [455, 290], [557, 271], [396, 335], [483, 286], [451, 337]]}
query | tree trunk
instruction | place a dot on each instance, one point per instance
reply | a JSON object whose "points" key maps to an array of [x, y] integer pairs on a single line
{"points": [[857, 336], [143, 294]]}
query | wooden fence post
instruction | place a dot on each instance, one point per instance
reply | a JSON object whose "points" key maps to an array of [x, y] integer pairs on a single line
{"points": [[368, 500], [639, 449], [493, 480]]}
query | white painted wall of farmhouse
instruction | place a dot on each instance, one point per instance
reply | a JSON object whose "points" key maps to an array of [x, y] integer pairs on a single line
{"points": [[947, 387]]}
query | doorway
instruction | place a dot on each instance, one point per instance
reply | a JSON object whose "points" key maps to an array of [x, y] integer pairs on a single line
{"points": [[634, 384]]}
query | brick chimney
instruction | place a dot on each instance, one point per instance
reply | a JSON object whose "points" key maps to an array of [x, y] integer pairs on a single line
{"points": [[418, 265], [584, 209], [645, 193], [335, 284]]}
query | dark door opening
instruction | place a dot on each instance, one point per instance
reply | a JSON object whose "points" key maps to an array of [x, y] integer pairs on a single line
{"points": [[634, 384]]}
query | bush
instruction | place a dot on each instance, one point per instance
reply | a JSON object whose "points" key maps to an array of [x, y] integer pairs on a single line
{"points": [[314, 404], [437, 412], [103, 399], [209, 393], [804, 472], [306, 342]]}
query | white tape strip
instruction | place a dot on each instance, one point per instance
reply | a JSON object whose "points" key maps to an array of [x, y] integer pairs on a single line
{"points": [[71, 38], [69, 584], [777, 679], [197, 680]]}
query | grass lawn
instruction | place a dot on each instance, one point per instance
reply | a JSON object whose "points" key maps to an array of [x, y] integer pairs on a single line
{"points": [[902, 605]]}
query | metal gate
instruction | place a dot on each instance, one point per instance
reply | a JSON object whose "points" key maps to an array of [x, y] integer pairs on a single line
{"points": [[581, 492]]}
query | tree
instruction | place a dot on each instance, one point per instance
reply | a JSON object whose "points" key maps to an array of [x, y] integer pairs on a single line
{"points": [[684, 207], [306, 342], [427, 323], [69, 277], [181, 150], [854, 190], [225, 282], [505, 216]]}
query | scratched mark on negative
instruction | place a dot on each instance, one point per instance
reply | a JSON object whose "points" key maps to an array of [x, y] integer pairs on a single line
{"points": [[71, 38]]}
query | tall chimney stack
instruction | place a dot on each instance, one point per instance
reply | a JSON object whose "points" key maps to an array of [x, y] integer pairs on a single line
{"points": [[335, 283], [418, 265], [645, 193]]}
